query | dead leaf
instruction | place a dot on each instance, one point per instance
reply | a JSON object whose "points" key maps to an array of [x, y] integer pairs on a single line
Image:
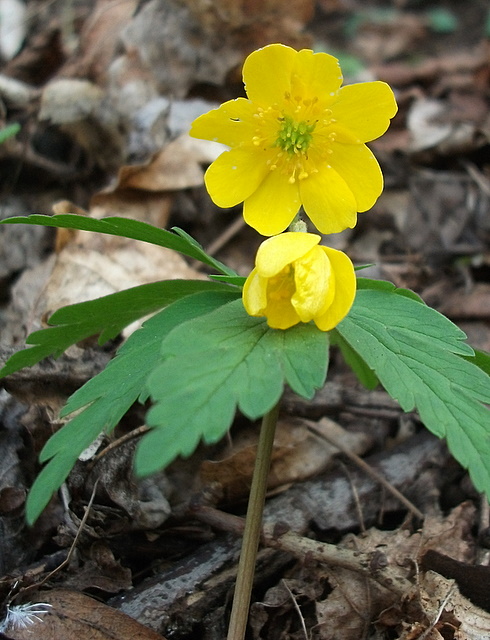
{"points": [[441, 597], [99, 39], [240, 13], [428, 123], [92, 265], [69, 100], [75, 616], [176, 166], [298, 454], [145, 501], [463, 304], [385, 39], [82, 110], [177, 48], [100, 571], [447, 214], [342, 615]]}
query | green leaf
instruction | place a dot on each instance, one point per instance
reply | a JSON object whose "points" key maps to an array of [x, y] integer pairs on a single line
{"points": [[481, 359], [360, 267], [384, 285], [238, 281], [216, 364], [128, 228], [364, 373], [416, 354], [106, 397], [9, 132], [106, 316]]}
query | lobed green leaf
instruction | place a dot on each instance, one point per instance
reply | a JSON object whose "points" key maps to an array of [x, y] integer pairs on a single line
{"points": [[105, 316], [105, 398], [216, 364], [420, 358]]}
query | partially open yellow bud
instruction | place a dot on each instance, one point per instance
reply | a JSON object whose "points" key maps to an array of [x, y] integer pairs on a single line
{"points": [[297, 280]]}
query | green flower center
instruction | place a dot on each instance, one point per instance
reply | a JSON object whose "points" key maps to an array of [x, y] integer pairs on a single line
{"points": [[294, 137]]}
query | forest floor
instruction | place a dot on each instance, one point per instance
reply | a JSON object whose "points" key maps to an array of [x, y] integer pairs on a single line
{"points": [[104, 93]]}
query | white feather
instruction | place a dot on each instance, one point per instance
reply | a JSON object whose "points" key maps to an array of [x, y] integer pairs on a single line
{"points": [[23, 615]]}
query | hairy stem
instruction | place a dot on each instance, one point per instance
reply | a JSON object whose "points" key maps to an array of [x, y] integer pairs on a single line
{"points": [[253, 526]]}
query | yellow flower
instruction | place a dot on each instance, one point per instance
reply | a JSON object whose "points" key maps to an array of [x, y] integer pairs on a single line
{"points": [[297, 140], [297, 280]]}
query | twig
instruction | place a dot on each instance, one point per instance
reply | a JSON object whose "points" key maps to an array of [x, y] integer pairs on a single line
{"points": [[231, 230], [135, 433], [278, 536], [361, 563], [357, 502], [296, 606], [431, 627], [72, 548], [319, 428]]}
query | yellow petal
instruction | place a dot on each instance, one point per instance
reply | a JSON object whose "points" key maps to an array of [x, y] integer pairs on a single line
{"points": [[315, 75], [254, 294], [363, 111], [272, 207], [315, 286], [234, 176], [360, 170], [328, 201], [345, 290], [277, 252], [267, 74], [231, 124], [282, 315]]}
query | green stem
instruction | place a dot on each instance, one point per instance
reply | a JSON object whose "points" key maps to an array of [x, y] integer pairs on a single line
{"points": [[253, 527]]}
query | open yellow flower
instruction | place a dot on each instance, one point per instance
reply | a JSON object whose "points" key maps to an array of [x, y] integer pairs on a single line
{"points": [[297, 140], [297, 280]]}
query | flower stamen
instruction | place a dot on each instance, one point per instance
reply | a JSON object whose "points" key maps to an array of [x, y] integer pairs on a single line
{"points": [[294, 137]]}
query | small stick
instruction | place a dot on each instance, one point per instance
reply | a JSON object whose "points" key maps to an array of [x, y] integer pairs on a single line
{"points": [[235, 227], [298, 610], [71, 551], [321, 431], [278, 536]]}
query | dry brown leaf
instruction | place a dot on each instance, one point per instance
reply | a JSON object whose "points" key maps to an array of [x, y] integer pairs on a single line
{"points": [[356, 600], [447, 214], [457, 63], [177, 166], [298, 454], [74, 616], [345, 611], [92, 265], [80, 108], [378, 41], [66, 100], [450, 534], [99, 39], [240, 13], [464, 304], [448, 610], [101, 571]]}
